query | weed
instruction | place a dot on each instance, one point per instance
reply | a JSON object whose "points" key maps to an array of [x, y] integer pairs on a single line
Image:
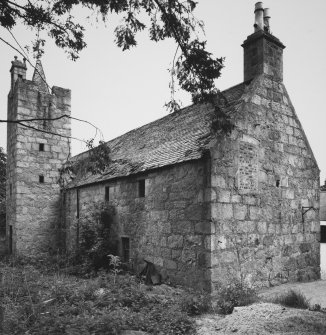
{"points": [[115, 263], [232, 295], [195, 304], [292, 298], [56, 303]]}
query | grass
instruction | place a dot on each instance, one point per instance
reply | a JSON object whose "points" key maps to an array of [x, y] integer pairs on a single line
{"points": [[292, 298], [40, 302]]}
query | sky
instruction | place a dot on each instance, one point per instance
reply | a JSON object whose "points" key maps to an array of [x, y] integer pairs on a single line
{"points": [[118, 91]]}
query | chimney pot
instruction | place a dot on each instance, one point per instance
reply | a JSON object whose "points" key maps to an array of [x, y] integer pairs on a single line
{"points": [[266, 19], [259, 16]]}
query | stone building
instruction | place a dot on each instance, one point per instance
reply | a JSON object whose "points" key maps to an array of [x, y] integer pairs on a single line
{"points": [[33, 193], [202, 207]]}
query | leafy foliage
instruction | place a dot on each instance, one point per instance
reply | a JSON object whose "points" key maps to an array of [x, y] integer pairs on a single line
{"points": [[98, 237], [196, 69], [96, 160], [233, 294], [195, 303], [38, 303]]}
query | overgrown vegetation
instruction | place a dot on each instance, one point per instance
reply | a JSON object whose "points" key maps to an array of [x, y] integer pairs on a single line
{"points": [[292, 298], [97, 239], [233, 294], [39, 302]]}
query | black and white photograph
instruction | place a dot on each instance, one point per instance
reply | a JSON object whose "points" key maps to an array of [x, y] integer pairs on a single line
{"points": [[162, 167]]}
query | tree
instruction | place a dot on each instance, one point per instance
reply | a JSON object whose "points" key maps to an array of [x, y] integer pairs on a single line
{"points": [[195, 68]]}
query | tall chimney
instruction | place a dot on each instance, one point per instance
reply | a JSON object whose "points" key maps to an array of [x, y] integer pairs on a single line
{"points": [[259, 16], [263, 52]]}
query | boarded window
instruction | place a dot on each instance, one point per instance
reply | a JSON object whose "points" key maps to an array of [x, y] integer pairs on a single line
{"points": [[125, 246], [107, 193], [141, 188], [322, 234]]}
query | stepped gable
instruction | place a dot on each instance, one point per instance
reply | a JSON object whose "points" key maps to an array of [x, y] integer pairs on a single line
{"points": [[178, 137]]}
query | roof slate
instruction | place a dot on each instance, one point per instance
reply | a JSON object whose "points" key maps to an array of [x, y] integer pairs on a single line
{"points": [[178, 137]]}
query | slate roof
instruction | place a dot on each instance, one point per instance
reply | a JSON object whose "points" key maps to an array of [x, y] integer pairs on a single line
{"points": [[178, 137]]}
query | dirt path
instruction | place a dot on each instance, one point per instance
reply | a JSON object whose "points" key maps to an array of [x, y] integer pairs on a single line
{"points": [[266, 318], [263, 319]]}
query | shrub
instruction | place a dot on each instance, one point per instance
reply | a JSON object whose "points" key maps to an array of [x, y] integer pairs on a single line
{"points": [[195, 304], [98, 237], [232, 295], [292, 298]]}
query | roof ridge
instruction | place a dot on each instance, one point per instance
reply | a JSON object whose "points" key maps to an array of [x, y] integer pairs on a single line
{"points": [[160, 119]]}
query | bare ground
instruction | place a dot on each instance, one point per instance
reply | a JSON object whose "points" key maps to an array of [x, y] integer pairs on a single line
{"points": [[267, 318]]}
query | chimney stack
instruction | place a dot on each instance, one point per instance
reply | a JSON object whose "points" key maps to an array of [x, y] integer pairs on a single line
{"points": [[263, 52], [18, 70]]}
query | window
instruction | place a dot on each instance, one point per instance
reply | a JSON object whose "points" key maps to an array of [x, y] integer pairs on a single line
{"points": [[141, 188], [77, 203], [322, 234], [107, 193], [10, 239], [41, 179], [10, 190], [125, 249], [41, 147]]}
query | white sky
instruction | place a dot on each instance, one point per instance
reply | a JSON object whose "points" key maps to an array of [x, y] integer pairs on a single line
{"points": [[118, 91]]}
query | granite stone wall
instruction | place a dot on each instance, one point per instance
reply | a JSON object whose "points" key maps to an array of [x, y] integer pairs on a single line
{"points": [[168, 226], [33, 193], [262, 176]]}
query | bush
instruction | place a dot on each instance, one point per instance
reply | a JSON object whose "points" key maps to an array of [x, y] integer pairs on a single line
{"points": [[195, 304], [98, 237], [293, 299], [232, 295]]}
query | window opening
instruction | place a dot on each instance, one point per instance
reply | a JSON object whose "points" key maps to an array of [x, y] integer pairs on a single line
{"points": [[41, 147], [107, 193], [10, 239], [277, 183], [125, 244], [41, 179], [141, 188], [322, 234]]}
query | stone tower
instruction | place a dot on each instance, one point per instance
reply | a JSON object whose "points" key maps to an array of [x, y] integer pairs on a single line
{"points": [[36, 150]]}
